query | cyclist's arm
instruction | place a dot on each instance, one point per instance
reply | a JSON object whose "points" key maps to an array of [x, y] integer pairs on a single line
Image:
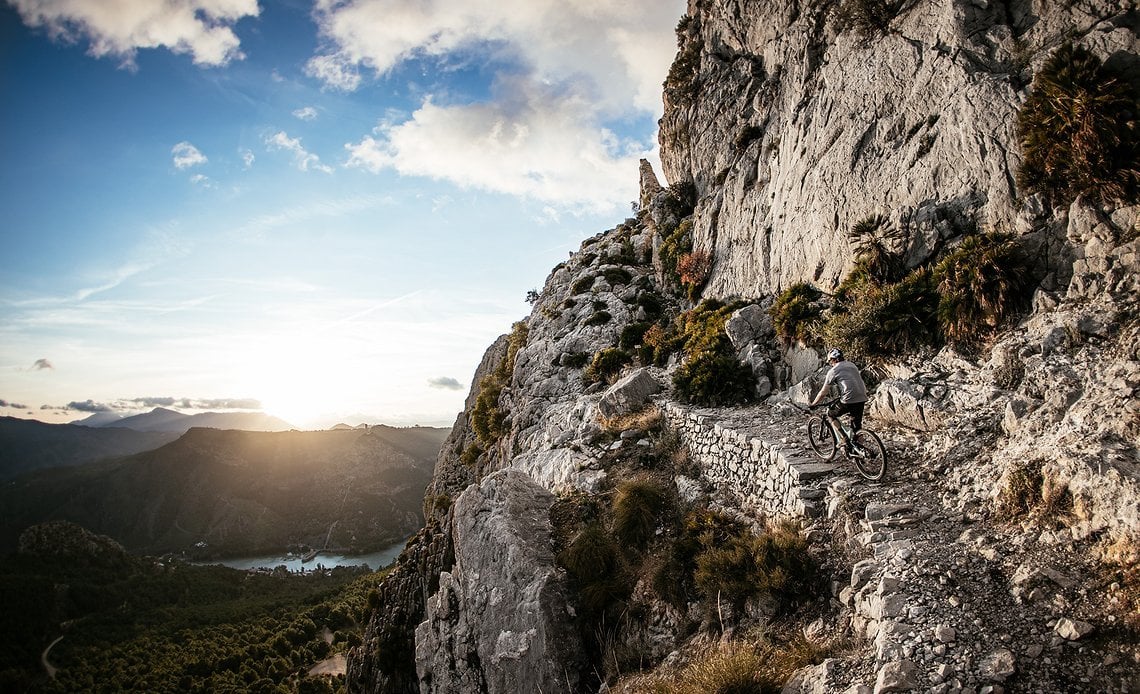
{"points": [[822, 390]]}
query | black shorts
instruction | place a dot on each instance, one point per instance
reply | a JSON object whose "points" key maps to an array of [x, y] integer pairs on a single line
{"points": [[855, 409]]}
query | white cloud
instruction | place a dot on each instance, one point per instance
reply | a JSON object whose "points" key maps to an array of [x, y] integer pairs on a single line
{"points": [[306, 113], [200, 180], [616, 51], [335, 71], [565, 70], [201, 28], [544, 148], [247, 158], [302, 158], [186, 155]]}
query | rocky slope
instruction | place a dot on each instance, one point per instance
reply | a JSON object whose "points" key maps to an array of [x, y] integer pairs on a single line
{"points": [[999, 551]]}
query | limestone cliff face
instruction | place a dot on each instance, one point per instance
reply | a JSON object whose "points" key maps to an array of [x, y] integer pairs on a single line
{"points": [[794, 127]]}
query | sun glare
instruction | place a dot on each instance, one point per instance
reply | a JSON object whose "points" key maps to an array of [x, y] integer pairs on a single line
{"points": [[299, 381]]}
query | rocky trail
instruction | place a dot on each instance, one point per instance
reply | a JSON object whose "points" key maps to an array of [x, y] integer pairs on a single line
{"points": [[948, 602]]}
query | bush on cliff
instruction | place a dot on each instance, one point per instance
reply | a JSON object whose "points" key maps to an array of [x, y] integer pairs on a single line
{"points": [[637, 508], [774, 565], [1079, 132], [796, 311], [714, 379], [600, 573], [606, 365], [874, 320], [488, 421], [981, 285]]}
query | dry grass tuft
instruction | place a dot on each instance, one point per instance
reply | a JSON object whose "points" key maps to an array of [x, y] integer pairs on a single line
{"points": [[730, 667]]}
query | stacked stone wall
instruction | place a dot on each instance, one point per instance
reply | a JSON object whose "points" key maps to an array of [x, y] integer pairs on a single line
{"points": [[762, 474]]}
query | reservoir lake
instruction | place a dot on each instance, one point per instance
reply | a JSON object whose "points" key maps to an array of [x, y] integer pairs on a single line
{"points": [[375, 560]]}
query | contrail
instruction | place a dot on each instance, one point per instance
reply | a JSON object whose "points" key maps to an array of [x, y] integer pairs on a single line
{"points": [[372, 309]]}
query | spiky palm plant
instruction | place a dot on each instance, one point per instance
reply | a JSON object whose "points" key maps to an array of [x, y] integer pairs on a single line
{"points": [[1078, 131], [873, 240], [980, 286]]}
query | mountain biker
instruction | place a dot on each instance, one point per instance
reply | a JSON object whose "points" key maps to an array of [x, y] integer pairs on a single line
{"points": [[852, 391]]}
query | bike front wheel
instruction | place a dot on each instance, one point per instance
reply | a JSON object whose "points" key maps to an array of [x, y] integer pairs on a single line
{"points": [[821, 437], [869, 456]]}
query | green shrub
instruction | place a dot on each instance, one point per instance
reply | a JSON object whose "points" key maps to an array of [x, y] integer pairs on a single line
{"points": [[632, 335], [607, 364], [796, 311], [872, 240], [582, 284], [701, 329], [868, 17], [884, 321], [681, 83], [487, 420], [981, 284], [1078, 131], [638, 504], [700, 529], [617, 275], [594, 561], [774, 564], [599, 318], [471, 455], [681, 199], [715, 380]]}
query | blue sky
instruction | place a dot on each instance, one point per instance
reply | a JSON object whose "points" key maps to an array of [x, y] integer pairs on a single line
{"points": [[326, 210]]}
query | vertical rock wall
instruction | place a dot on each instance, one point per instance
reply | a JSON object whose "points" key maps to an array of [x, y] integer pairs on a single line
{"points": [[794, 127]]}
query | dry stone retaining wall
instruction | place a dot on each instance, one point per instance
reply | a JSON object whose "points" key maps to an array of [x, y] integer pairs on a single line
{"points": [[749, 462]]}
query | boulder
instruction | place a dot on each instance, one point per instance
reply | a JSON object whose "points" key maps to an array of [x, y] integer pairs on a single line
{"points": [[747, 326], [897, 676], [629, 394], [998, 665], [903, 402]]}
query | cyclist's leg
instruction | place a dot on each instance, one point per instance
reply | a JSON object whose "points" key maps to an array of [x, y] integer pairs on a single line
{"points": [[856, 412], [834, 412]]}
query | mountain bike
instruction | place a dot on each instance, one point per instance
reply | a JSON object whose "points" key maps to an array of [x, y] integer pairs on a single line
{"points": [[863, 449]]}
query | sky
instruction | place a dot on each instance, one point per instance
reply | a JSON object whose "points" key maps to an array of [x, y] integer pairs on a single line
{"points": [[325, 210]]}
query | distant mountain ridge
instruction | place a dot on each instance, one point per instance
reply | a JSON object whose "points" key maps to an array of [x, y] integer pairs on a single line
{"points": [[240, 492], [27, 444], [163, 419]]}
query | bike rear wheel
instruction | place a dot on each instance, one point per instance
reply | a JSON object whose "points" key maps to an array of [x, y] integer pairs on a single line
{"points": [[869, 456], [821, 437]]}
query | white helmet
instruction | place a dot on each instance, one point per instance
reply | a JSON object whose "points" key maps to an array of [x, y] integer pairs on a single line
{"points": [[835, 355]]}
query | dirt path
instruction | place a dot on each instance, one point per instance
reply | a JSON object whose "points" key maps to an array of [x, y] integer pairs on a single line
{"points": [[336, 665], [48, 667]]}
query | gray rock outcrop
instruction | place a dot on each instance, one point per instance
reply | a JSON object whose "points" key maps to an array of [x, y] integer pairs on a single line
{"points": [[499, 623]]}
